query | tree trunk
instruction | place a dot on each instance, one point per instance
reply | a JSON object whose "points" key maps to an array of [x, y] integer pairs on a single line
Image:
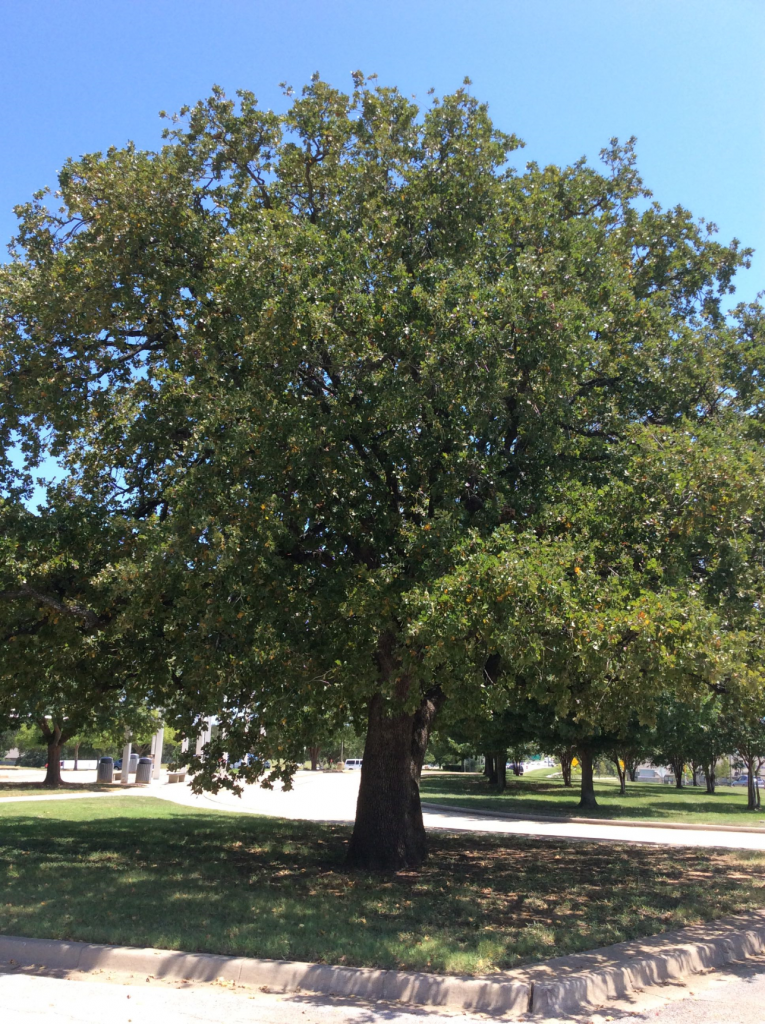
{"points": [[55, 740], [388, 833], [491, 770], [677, 768], [751, 785], [622, 773], [76, 755], [500, 762], [53, 773], [565, 768], [709, 772], [313, 753], [587, 801]]}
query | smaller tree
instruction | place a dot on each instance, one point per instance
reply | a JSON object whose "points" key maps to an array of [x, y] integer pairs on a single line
{"points": [[745, 714], [628, 750], [673, 736]]}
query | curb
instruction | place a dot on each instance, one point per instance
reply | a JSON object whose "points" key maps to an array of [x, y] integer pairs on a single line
{"points": [[567, 819], [568, 984], [509, 996], [586, 981]]}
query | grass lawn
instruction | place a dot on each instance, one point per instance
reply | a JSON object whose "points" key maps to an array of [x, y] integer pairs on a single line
{"points": [[537, 794], [146, 872]]}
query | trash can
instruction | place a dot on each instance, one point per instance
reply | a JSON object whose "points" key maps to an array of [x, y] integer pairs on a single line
{"points": [[133, 767], [105, 770], [143, 771]]}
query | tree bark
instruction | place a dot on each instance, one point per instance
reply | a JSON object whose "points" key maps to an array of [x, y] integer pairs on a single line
{"points": [[565, 768], [76, 755], [491, 770], [587, 800], [752, 791], [53, 772], [313, 753], [55, 740], [622, 773], [500, 763], [677, 768], [709, 773], [388, 833]]}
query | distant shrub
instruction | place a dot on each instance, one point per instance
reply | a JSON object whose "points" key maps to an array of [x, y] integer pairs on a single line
{"points": [[33, 759]]}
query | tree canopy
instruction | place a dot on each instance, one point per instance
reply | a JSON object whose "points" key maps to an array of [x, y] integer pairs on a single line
{"points": [[351, 386]]}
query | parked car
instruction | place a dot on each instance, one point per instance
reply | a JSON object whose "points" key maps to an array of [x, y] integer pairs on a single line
{"points": [[743, 780], [354, 763], [250, 759]]}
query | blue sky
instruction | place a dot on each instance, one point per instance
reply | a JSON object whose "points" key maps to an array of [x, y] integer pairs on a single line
{"points": [[687, 77]]}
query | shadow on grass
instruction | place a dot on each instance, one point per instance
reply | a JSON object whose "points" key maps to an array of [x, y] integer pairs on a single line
{"points": [[146, 873]]}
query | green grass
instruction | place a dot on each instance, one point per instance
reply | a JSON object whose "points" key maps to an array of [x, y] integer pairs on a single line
{"points": [[35, 789], [536, 793], [145, 872]]}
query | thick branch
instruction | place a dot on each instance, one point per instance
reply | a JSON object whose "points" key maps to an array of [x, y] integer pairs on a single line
{"points": [[73, 609]]}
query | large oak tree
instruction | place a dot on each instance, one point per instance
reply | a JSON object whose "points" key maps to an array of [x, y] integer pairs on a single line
{"points": [[308, 357]]}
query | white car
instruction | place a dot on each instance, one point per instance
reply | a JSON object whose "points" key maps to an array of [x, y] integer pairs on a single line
{"points": [[648, 775], [352, 763]]}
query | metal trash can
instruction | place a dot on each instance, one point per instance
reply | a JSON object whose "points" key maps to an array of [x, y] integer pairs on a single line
{"points": [[105, 770], [143, 772], [133, 767]]}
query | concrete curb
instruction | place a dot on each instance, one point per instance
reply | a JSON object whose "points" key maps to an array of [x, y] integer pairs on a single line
{"points": [[504, 995], [567, 819], [586, 981], [569, 984]]}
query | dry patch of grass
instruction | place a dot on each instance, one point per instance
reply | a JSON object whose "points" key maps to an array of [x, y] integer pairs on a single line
{"points": [[143, 872]]}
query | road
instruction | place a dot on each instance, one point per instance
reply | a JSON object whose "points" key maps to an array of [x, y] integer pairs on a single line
{"points": [[733, 996]]}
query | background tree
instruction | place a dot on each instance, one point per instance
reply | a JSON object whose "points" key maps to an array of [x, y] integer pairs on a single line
{"points": [[629, 749], [66, 671], [745, 717]]}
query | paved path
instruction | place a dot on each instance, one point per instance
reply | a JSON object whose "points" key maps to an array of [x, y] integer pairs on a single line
{"points": [[734, 995], [331, 796]]}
